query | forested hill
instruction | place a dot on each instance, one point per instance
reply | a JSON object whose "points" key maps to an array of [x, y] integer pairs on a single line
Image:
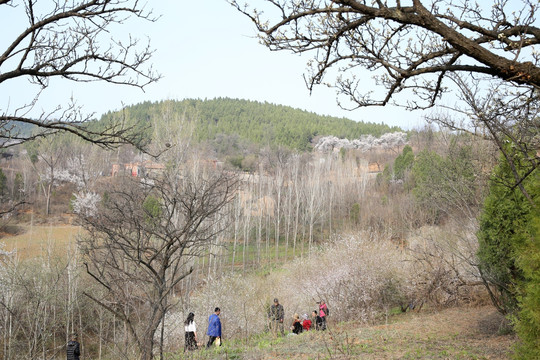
{"points": [[260, 123]]}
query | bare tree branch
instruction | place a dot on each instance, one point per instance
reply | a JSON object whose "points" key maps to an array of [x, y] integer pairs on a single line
{"points": [[416, 54], [403, 42], [71, 40]]}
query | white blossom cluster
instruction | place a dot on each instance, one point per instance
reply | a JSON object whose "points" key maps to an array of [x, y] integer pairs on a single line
{"points": [[72, 172], [356, 276], [85, 203], [364, 143], [5, 281], [65, 175]]}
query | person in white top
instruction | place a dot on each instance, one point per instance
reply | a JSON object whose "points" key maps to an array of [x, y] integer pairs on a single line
{"points": [[190, 333]]}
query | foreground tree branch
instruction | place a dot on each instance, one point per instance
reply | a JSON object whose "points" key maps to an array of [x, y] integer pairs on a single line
{"points": [[402, 44], [71, 41], [418, 52]]}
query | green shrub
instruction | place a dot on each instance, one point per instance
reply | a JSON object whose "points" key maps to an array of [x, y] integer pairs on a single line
{"points": [[403, 163]]}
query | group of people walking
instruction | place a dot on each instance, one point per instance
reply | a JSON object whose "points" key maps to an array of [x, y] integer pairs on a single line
{"points": [[276, 315], [214, 331]]}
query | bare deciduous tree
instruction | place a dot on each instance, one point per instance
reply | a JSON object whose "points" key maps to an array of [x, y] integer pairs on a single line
{"points": [[71, 41], [46, 156], [142, 235], [405, 43]]}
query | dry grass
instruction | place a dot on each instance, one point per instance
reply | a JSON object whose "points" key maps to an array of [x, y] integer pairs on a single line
{"points": [[33, 241], [458, 333]]}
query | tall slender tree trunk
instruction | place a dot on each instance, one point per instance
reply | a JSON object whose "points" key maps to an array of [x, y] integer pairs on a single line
{"points": [[236, 221], [277, 215], [288, 218]]}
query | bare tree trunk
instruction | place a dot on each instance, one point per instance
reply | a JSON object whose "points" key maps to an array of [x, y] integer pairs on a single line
{"points": [[48, 199], [161, 336], [330, 193], [266, 221], [277, 225], [260, 218], [288, 214], [237, 209], [296, 219], [247, 228], [100, 332]]}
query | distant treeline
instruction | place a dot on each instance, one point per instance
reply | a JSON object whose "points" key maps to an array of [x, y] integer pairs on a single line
{"points": [[254, 122]]}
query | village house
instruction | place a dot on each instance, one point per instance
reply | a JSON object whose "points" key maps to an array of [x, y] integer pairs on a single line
{"points": [[137, 169]]}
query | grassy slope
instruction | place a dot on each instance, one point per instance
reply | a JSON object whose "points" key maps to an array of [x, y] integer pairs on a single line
{"points": [[458, 333], [39, 240]]}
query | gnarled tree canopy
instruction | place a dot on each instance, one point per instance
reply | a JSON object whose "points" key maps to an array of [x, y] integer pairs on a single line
{"points": [[414, 46], [74, 41], [415, 52]]}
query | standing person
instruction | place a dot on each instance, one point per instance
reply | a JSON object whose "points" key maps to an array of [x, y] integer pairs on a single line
{"points": [[73, 348], [190, 332], [306, 323], [214, 328], [323, 313], [276, 315], [317, 320]]}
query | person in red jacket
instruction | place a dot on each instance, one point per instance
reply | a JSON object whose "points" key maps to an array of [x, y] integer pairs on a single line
{"points": [[306, 323], [323, 313]]}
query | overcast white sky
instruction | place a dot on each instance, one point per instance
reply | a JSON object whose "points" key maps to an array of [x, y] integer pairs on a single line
{"points": [[205, 49]]}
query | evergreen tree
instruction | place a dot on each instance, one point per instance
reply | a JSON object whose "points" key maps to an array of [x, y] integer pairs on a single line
{"points": [[3, 184], [18, 187], [528, 320], [506, 227], [403, 162], [426, 173], [447, 184]]}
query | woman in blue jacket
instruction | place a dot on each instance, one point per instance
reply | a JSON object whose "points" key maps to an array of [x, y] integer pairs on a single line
{"points": [[214, 328]]}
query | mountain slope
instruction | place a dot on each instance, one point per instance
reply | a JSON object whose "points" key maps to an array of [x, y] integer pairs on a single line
{"points": [[255, 122]]}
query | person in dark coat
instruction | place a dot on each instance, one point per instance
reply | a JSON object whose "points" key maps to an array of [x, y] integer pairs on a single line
{"points": [[317, 320], [214, 328], [73, 348], [296, 326], [276, 313]]}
